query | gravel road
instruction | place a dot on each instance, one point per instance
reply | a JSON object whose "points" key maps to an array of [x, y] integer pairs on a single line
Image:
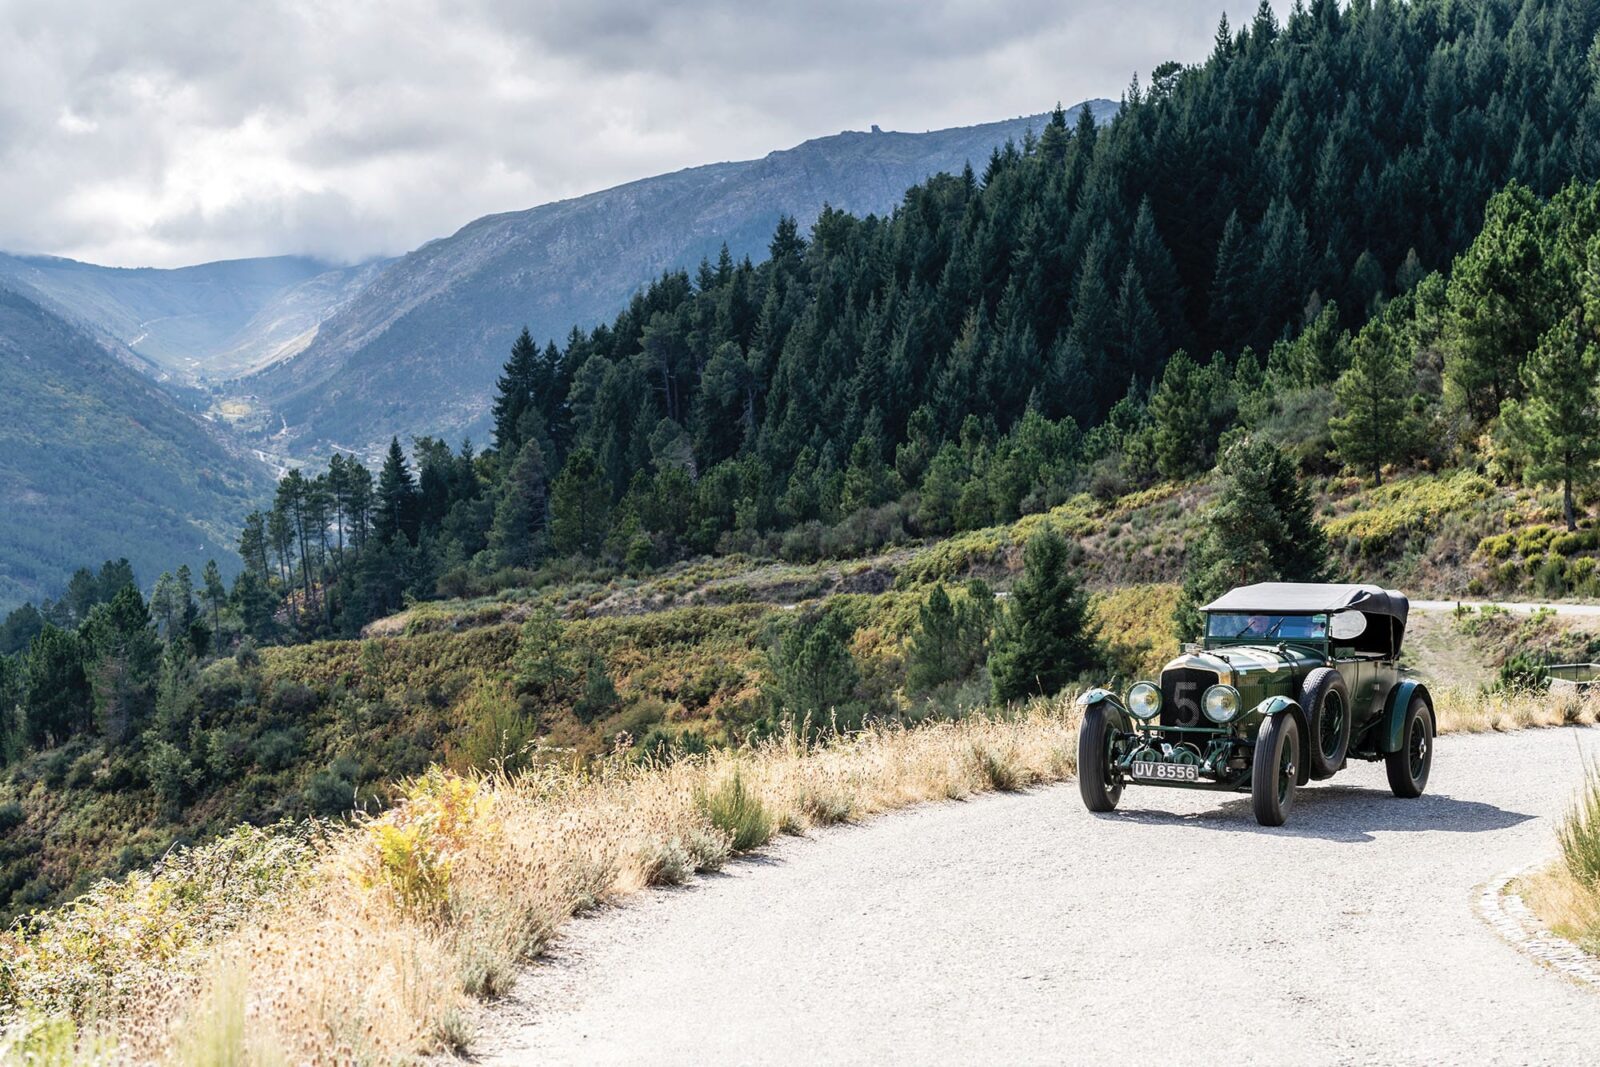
{"points": [[1020, 928]]}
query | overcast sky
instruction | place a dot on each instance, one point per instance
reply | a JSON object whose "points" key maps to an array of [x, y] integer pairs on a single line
{"points": [[166, 132]]}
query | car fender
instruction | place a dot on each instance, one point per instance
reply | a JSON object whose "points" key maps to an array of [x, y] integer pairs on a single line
{"points": [[1282, 705], [1394, 713], [1123, 720]]}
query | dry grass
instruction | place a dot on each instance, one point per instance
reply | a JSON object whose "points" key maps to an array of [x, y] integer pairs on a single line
{"points": [[370, 943], [1567, 894], [376, 949], [1474, 712]]}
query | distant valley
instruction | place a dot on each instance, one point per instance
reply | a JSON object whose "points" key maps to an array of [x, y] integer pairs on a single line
{"points": [[193, 325], [284, 359], [99, 462]]}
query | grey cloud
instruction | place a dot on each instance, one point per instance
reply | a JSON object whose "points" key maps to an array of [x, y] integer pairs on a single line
{"points": [[164, 132]]}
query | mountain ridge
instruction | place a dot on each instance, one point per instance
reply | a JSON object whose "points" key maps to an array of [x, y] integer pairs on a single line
{"points": [[417, 350]]}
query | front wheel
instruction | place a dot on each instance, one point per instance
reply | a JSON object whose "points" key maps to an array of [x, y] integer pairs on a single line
{"points": [[1408, 768], [1098, 782], [1272, 777]]}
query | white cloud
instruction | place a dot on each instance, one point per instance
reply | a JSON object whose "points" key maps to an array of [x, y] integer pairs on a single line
{"points": [[155, 132]]}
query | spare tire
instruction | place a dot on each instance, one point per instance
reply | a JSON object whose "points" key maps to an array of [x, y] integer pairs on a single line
{"points": [[1326, 701]]}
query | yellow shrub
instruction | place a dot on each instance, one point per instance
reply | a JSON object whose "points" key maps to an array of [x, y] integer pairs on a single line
{"points": [[414, 846], [1411, 506]]}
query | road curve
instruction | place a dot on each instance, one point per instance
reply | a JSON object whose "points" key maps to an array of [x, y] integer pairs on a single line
{"points": [[1020, 928]]}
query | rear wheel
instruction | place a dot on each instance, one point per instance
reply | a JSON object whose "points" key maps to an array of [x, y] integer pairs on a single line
{"points": [[1098, 781], [1272, 778], [1326, 700], [1408, 768]]}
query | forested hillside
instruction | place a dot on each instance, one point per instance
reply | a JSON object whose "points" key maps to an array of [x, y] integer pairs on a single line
{"points": [[97, 462], [417, 352], [1095, 309]]}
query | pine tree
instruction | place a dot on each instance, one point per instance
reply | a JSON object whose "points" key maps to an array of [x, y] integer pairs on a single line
{"points": [[1189, 411], [1139, 334], [164, 604], [514, 393], [58, 701], [1159, 274], [120, 651], [580, 502], [521, 516], [1044, 640], [1232, 288], [1495, 298], [253, 545], [1261, 529], [1376, 425], [13, 741], [814, 677], [1053, 141], [215, 593], [951, 638], [1556, 423], [395, 511], [868, 481], [1094, 323], [599, 698]]}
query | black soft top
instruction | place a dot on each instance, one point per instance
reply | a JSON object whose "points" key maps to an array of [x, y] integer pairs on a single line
{"points": [[1384, 606]]}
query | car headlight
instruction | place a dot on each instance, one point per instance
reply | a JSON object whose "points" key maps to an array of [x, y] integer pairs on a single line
{"points": [[1144, 700], [1221, 703]]}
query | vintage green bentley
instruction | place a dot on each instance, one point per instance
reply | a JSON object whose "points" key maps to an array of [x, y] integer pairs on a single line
{"points": [[1291, 681]]}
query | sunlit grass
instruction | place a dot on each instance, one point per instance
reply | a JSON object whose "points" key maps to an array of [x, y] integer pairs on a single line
{"points": [[370, 942], [1475, 712], [371, 946], [1567, 894]]}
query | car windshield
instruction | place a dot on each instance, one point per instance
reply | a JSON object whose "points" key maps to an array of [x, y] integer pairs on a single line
{"points": [[1261, 626]]}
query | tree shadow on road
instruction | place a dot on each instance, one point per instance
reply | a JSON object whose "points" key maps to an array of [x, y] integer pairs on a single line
{"points": [[1344, 813]]}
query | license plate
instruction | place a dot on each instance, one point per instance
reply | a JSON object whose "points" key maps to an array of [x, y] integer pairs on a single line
{"points": [[1166, 772]]}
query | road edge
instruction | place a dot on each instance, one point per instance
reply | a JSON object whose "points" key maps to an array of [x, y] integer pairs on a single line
{"points": [[1508, 915]]}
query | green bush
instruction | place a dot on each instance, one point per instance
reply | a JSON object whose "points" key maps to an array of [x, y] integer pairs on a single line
{"points": [[276, 750], [1534, 540], [738, 812], [11, 816], [661, 745], [331, 792], [1579, 832], [1522, 671], [1570, 544], [1550, 577], [1498, 546], [1581, 574], [172, 775], [997, 770]]}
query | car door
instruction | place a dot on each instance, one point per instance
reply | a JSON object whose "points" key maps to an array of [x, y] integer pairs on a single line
{"points": [[1367, 700], [1354, 673]]}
